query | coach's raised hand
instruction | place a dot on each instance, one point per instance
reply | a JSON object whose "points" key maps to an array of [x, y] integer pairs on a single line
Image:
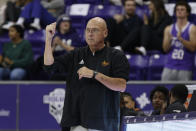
{"points": [[50, 31], [48, 56]]}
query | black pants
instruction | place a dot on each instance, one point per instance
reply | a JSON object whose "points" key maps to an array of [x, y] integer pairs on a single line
{"points": [[12, 12]]}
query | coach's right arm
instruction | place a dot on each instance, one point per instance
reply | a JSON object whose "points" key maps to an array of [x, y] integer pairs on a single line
{"points": [[48, 54]]}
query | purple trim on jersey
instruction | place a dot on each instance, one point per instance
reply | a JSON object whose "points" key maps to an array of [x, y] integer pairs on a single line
{"points": [[179, 57]]}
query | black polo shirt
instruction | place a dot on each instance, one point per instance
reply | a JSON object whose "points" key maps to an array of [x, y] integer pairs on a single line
{"points": [[88, 102]]}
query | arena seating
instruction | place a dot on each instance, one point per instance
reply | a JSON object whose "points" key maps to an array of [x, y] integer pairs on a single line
{"points": [[106, 10], [138, 66], [142, 68], [94, 1], [155, 66], [37, 39], [141, 10], [69, 2], [78, 13]]}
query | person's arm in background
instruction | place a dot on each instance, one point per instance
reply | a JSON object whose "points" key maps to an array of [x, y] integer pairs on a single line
{"points": [[167, 39], [118, 18], [191, 44], [57, 41], [1, 59], [72, 41], [145, 19]]}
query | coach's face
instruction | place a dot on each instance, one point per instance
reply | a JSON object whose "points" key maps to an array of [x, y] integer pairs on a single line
{"points": [[96, 32]]}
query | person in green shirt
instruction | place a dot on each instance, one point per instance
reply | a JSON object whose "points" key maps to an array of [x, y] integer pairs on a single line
{"points": [[16, 55]]}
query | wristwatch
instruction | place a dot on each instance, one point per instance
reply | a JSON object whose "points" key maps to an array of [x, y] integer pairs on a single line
{"points": [[94, 74]]}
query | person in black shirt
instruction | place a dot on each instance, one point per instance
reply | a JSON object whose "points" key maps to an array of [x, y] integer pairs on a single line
{"points": [[96, 76], [124, 30], [178, 96], [153, 29]]}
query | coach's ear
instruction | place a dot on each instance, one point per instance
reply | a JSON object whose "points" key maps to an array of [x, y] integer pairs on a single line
{"points": [[105, 33]]}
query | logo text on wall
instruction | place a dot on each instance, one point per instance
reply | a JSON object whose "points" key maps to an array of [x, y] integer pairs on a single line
{"points": [[55, 99]]}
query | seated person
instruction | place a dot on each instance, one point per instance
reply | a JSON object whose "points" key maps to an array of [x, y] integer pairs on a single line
{"points": [[17, 55], [128, 106], [178, 96], [12, 12], [66, 37], [159, 98], [124, 30], [153, 28]]}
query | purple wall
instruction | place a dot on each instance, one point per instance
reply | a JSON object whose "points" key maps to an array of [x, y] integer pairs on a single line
{"points": [[40, 105]]}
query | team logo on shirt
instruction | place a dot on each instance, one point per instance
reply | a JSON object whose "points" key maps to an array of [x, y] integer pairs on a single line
{"points": [[81, 62], [55, 99], [105, 63]]}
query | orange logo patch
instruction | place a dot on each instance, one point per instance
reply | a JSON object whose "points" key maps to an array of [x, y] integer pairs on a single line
{"points": [[105, 63]]}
